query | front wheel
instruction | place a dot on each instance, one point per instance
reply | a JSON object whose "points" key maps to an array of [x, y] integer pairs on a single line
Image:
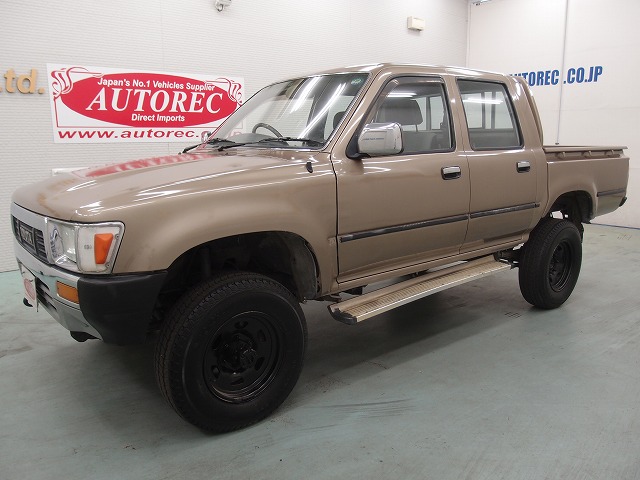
{"points": [[550, 263], [231, 351]]}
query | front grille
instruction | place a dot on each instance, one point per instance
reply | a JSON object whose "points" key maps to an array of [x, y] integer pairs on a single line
{"points": [[42, 252], [30, 238], [44, 295]]}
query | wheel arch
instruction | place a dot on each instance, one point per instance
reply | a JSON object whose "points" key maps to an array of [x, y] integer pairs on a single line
{"points": [[576, 206], [283, 256]]}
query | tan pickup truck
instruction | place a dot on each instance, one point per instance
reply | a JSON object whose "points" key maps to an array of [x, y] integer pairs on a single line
{"points": [[315, 188]]}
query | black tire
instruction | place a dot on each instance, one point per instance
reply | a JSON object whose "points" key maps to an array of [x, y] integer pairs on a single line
{"points": [[230, 351], [550, 263]]}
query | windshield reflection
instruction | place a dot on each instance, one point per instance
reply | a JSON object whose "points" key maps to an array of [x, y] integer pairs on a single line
{"points": [[301, 112]]}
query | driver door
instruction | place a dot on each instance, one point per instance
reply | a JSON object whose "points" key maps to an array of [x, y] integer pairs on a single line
{"points": [[399, 210]]}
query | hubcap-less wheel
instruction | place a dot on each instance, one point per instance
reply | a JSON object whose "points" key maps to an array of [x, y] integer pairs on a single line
{"points": [[231, 350], [560, 266], [550, 263], [242, 358]]}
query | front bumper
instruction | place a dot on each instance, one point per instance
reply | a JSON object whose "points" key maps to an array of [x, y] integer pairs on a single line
{"points": [[114, 308]]}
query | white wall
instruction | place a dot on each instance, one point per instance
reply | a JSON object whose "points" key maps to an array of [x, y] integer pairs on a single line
{"points": [[515, 36], [262, 41]]}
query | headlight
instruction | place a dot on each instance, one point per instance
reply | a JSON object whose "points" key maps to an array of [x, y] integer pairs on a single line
{"points": [[62, 238], [85, 248]]}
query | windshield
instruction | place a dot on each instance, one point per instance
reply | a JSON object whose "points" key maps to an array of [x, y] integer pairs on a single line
{"points": [[301, 112]]}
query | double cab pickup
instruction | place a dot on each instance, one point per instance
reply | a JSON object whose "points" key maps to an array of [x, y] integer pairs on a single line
{"points": [[413, 177]]}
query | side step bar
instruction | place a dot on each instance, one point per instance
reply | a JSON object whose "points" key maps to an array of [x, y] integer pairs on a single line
{"points": [[370, 304]]}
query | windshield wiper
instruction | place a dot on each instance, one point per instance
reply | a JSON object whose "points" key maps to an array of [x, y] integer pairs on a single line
{"points": [[212, 141], [308, 141], [272, 140], [232, 144]]}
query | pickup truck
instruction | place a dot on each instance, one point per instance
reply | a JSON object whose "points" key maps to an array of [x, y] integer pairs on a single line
{"points": [[404, 179]]}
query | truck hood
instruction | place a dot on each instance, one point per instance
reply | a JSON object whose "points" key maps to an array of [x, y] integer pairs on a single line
{"points": [[96, 194]]}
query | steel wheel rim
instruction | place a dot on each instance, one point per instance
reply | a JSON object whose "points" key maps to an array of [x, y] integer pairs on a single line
{"points": [[242, 357], [560, 266]]}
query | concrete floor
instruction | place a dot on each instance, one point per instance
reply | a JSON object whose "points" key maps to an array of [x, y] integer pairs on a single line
{"points": [[471, 383]]}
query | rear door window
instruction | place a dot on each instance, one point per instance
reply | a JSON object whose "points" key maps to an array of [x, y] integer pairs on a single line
{"points": [[491, 119]]}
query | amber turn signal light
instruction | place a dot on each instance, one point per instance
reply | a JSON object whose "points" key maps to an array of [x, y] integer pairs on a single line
{"points": [[101, 246], [67, 292]]}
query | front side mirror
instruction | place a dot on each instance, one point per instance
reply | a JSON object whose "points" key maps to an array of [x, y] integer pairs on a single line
{"points": [[380, 139]]}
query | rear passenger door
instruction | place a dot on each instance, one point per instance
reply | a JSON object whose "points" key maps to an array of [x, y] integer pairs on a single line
{"points": [[502, 171]]}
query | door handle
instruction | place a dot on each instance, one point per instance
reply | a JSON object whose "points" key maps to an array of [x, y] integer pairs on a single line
{"points": [[451, 173], [523, 167]]}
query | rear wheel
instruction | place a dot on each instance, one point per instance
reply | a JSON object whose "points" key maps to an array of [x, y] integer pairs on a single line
{"points": [[550, 263], [231, 351]]}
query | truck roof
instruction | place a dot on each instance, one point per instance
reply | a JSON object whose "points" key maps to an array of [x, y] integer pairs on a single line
{"points": [[409, 67]]}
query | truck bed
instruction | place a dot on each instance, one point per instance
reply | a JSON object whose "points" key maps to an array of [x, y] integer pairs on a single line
{"points": [[605, 169], [586, 150]]}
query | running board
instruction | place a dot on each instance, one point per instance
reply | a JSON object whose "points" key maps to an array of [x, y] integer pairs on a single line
{"points": [[370, 304]]}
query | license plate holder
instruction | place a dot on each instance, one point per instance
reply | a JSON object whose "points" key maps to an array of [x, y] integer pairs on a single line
{"points": [[29, 286]]}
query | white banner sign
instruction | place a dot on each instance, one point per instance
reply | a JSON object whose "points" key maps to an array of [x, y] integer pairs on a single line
{"points": [[100, 105]]}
